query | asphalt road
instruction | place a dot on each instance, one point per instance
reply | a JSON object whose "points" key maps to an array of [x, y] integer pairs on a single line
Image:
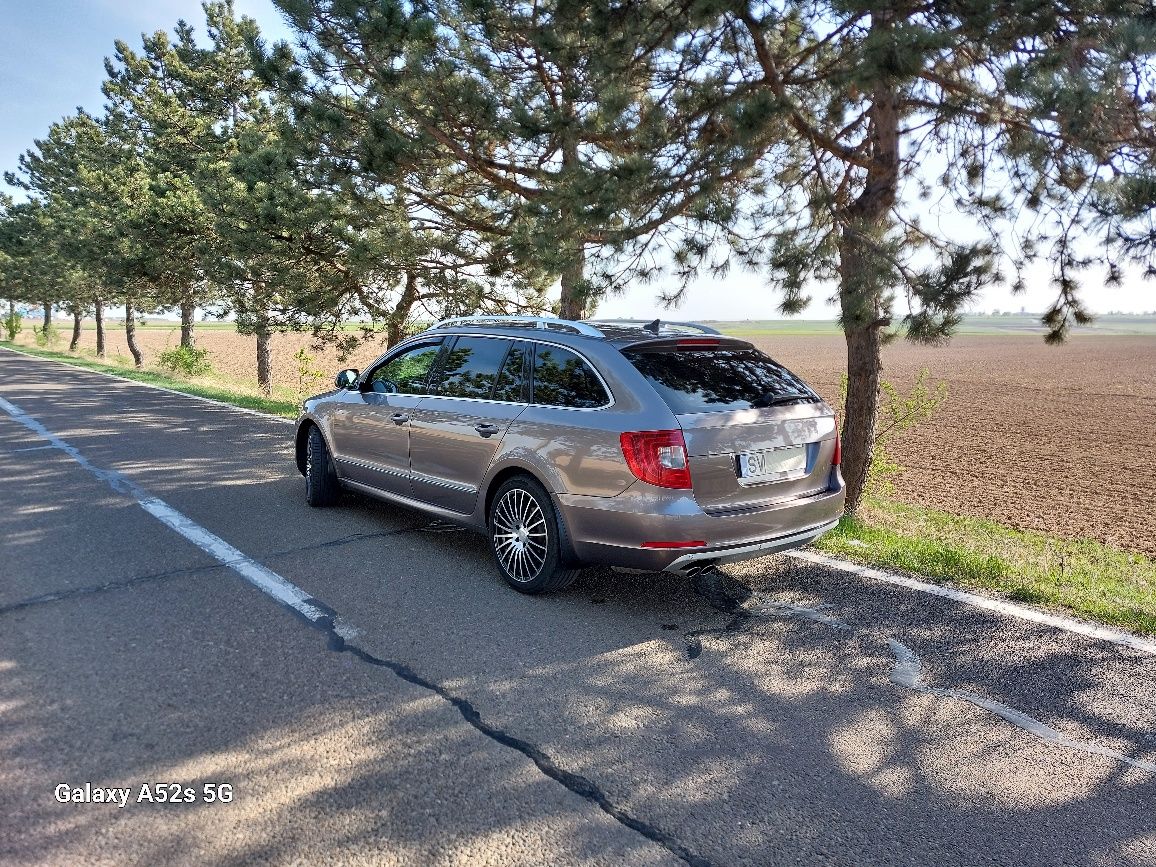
{"points": [[777, 712]]}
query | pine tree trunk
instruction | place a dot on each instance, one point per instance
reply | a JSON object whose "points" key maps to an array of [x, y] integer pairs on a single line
{"points": [[75, 342], [864, 368], [573, 301], [99, 316], [864, 288], [130, 334], [188, 310], [573, 304], [47, 317], [264, 360], [396, 325]]}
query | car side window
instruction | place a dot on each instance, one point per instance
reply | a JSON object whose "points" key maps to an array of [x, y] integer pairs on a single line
{"points": [[407, 373], [511, 382], [470, 368], [562, 378]]}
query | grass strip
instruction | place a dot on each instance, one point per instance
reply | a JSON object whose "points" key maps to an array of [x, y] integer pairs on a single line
{"points": [[221, 392], [1082, 576]]}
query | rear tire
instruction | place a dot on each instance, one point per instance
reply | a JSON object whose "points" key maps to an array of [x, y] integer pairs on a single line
{"points": [[525, 537], [321, 485]]}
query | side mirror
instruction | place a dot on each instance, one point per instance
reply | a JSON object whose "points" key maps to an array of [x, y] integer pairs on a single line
{"points": [[347, 378]]}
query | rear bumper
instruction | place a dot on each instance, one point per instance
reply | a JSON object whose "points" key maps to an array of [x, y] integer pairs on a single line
{"points": [[612, 530]]}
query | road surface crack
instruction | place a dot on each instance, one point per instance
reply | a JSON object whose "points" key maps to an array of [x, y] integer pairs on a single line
{"points": [[580, 785]]}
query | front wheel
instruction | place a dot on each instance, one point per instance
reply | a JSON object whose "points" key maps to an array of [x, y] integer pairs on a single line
{"points": [[321, 485], [524, 538]]}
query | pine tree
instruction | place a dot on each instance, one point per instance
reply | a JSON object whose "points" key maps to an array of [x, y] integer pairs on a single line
{"points": [[556, 135]]}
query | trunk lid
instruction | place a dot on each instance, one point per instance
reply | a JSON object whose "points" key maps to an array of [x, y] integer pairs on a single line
{"points": [[755, 432], [745, 459]]}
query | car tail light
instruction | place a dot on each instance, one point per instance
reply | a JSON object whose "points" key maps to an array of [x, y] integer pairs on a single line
{"points": [[697, 543], [657, 457], [688, 342], [837, 458]]}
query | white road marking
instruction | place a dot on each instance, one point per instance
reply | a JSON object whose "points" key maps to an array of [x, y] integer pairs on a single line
{"points": [[259, 576], [908, 672], [220, 403], [1079, 627]]}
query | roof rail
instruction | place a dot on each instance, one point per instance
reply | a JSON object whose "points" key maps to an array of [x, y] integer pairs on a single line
{"points": [[657, 325], [543, 322]]}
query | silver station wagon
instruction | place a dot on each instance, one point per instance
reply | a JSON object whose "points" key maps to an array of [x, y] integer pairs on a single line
{"points": [[659, 446]]}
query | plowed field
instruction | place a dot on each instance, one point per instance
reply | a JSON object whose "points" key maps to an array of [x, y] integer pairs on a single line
{"points": [[1057, 439]]}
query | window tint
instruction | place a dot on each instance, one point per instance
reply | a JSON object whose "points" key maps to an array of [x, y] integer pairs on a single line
{"points": [[511, 379], [471, 367], [714, 380], [561, 378], [407, 373]]}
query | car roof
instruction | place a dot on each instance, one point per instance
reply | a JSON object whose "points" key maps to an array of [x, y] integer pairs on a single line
{"points": [[618, 333]]}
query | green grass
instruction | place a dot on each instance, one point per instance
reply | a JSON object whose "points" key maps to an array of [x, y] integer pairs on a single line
{"points": [[222, 391], [1085, 577]]}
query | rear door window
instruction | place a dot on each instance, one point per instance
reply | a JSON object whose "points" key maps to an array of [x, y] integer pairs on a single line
{"points": [[719, 379], [562, 378], [471, 367]]}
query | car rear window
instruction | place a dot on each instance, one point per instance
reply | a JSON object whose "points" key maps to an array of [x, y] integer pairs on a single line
{"points": [[561, 378], [718, 379]]}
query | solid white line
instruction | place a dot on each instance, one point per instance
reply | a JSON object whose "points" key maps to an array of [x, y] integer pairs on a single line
{"points": [[909, 673], [1079, 627], [220, 403], [259, 576]]}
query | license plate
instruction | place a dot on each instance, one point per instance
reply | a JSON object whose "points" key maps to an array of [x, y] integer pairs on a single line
{"points": [[773, 464]]}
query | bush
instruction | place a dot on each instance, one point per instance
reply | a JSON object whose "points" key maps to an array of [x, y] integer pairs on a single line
{"points": [[187, 360], [308, 376], [47, 338], [898, 412], [13, 325]]}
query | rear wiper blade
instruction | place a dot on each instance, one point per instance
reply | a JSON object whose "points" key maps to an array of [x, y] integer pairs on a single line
{"points": [[769, 399]]}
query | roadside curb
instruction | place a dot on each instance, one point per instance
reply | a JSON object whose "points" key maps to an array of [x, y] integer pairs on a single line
{"points": [[1067, 624], [265, 415]]}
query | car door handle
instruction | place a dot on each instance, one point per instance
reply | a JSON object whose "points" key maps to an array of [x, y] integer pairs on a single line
{"points": [[399, 418], [486, 430]]}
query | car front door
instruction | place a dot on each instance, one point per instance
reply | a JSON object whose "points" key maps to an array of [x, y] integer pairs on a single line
{"points": [[479, 390], [371, 429]]}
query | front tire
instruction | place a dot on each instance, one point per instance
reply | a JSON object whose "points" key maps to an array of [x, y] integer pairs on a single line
{"points": [[321, 485], [525, 536]]}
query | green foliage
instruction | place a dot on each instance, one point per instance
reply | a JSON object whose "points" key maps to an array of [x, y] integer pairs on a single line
{"points": [[898, 412], [13, 324], [189, 360], [46, 337], [308, 375]]}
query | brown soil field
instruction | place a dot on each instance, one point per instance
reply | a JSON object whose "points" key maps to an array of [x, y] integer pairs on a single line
{"points": [[1056, 439], [1049, 438]]}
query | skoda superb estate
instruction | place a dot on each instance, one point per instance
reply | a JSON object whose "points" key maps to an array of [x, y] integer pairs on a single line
{"points": [[655, 446]]}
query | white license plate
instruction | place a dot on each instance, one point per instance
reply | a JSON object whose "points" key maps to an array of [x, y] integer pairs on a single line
{"points": [[773, 464]]}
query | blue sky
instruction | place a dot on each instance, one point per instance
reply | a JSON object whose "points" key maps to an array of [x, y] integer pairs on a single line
{"points": [[51, 61]]}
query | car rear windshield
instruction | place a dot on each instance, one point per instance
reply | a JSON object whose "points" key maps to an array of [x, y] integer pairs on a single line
{"points": [[719, 379]]}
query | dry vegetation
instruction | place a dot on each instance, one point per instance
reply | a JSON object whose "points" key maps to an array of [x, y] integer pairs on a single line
{"points": [[1055, 439]]}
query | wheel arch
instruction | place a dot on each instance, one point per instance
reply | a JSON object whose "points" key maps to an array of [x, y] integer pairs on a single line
{"points": [[499, 478], [301, 442]]}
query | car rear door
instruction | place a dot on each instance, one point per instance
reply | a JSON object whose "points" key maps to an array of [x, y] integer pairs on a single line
{"points": [[454, 435], [755, 432]]}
